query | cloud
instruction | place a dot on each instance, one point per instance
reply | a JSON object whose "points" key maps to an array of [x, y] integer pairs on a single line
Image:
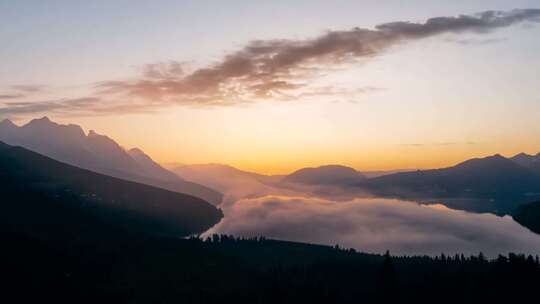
{"points": [[265, 69], [164, 70], [10, 96], [85, 106], [28, 88], [277, 69], [21, 91], [71, 105], [375, 225], [24, 108], [474, 41]]}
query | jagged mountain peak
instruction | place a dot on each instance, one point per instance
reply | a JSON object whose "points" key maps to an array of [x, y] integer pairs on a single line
{"points": [[137, 151], [69, 143], [7, 126], [41, 121], [93, 133], [46, 126], [7, 122], [522, 154]]}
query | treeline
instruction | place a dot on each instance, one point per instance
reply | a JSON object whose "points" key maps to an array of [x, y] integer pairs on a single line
{"points": [[225, 269]]}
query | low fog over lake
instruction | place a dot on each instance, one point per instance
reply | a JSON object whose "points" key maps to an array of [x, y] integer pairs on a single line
{"points": [[258, 206]]}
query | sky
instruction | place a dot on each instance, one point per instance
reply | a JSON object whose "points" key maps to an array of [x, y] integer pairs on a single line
{"points": [[273, 86]]}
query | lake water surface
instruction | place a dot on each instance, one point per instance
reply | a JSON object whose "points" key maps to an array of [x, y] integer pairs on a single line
{"points": [[376, 225]]}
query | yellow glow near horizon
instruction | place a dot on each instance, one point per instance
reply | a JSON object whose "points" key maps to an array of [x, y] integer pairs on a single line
{"points": [[439, 105], [272, 139]]}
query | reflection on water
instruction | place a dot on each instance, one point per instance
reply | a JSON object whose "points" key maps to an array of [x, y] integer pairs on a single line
{"points": [[375, 225], [476, 205]]}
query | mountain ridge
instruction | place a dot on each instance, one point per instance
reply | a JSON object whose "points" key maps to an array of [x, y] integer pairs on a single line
{"points": [[326, 174], [500, 181], [98, 153]]}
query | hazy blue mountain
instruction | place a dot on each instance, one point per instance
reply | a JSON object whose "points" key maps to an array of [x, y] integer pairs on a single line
{"points": [[233, 182], [220, 177], [378, 173], [43, 196], [152, 168], [500, 181], [325, 175], [98, 153], [529, 161]]}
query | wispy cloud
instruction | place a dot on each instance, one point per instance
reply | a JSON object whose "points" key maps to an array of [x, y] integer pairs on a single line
{"points": [[475, 41], [47, 106], [266, 69], [278, 69], [86, 106], [10, 96], [20, 91], [28, 88]]}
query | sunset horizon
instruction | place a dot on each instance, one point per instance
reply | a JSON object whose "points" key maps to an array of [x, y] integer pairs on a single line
{"points": [[397, 158], [360, 106]]}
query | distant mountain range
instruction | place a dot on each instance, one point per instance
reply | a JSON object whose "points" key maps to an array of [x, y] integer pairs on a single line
{"points": [[49, 199], [528, 161], [98, 153], [221, 177], [492, 184], [502, 183], [234, 183]]}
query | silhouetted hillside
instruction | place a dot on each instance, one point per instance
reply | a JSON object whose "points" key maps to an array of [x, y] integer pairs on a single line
{"points": [[98, 153], [502, 183], [325, 175], [528, 161], [150, 166], [528, 215], [47, 199]]}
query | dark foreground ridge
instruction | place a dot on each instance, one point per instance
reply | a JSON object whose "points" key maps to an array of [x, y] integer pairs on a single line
{"points": [[223, 269], [98, 153], [44, 197], [528, 215]]}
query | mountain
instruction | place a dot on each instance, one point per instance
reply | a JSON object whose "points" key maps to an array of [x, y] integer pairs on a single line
{"points": [[378, 173], [98, 153], [325, 175], [234, 183], [500, 181], [152, 168], [528, 161], [43, 197], [220, 177]]}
